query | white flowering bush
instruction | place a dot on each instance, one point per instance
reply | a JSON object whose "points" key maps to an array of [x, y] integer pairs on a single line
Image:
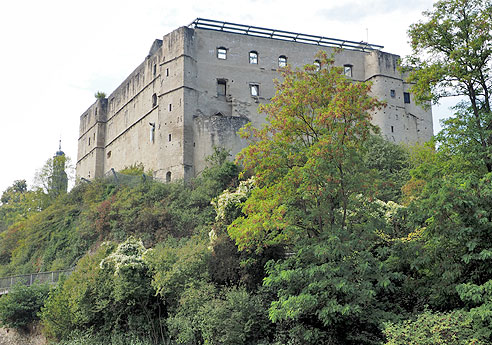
{"points": [[229, 202], [390, 209], [130, 270]]}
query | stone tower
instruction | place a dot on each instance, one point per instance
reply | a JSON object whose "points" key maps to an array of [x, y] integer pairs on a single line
{"points": [[58, 181]]}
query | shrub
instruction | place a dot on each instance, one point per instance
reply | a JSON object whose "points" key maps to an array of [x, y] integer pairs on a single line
{"points": [[431, 328], [20, 307]]}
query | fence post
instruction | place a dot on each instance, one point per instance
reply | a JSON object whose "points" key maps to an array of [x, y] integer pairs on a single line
{"points": [[30, 280], [52, 277]]}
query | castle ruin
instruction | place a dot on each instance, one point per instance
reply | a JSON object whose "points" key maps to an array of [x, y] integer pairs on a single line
{"points": [[201, 83]]}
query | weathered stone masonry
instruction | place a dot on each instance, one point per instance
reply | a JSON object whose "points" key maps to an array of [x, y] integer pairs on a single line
{"points": [[200, 84]]}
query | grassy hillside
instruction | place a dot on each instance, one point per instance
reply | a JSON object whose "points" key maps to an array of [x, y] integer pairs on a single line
{"points": [[109, 210]]}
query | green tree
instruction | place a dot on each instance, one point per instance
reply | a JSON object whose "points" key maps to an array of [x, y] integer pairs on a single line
{"points": [[17, 203], [306, 159], [452, 55], [13, 192], [52, 178]]}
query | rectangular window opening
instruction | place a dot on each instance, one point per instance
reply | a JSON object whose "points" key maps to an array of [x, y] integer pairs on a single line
{"points": [[406, 97], [221, 53], [254, 90], [221, 87], [392, 93], [347, 70]]}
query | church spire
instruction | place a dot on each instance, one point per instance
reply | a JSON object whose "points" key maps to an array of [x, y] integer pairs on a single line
{"points": [[59, 152]]}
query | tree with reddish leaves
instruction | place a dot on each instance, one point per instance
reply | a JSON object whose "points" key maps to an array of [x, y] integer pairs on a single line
{"points": [[307, 158]]}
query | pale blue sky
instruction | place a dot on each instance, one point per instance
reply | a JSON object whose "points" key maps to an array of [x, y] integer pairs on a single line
{"points": [[56, 54]]}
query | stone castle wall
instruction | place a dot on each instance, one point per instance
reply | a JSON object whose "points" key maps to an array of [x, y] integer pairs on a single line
{"points": [[169, 113]]}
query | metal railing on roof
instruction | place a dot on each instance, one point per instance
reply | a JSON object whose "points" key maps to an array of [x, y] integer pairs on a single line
{"points": [[209, 24]]}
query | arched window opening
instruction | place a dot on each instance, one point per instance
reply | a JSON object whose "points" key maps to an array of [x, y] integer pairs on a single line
{"points": [[253, 57], [168, 176], [282, 61]]}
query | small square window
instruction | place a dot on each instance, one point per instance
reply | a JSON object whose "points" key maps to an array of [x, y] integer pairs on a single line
{"points": [[221, 53], [254, 90], [253, 57], [221, 87], [282, 61], [347, 70], [392, 93], [406, 97]]}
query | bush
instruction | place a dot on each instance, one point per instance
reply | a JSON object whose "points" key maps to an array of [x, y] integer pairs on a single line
{"points": [[20, 307], [453, 328], [109, 293], [89, 338]]}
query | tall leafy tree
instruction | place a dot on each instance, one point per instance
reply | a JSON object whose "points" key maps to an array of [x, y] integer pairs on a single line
{"points": [[306, 159], [313, 195], [452, 56]]}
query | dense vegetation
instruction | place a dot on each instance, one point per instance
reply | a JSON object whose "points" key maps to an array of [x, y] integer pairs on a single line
{"points": [[327, 234]]}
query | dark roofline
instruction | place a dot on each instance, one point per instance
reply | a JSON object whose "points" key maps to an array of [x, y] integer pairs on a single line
{"points": [[215, 25]]}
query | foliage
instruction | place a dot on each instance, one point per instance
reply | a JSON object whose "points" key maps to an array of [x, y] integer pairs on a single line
{"points": [[18, 203], [452, 53], [390, 164], [136, 169], [109, 292], [454, 245], [89, 338], [233, 317], [53, 177], [306, 158], [12, 193], [20, 307], [54, 234], [177, 266], [75, 301], [100, 95], [479, 299], [227, 204], [431, 328], [331, 287]]}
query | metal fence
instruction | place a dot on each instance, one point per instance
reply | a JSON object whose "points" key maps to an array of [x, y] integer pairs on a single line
{"points": [[28, 279]]}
